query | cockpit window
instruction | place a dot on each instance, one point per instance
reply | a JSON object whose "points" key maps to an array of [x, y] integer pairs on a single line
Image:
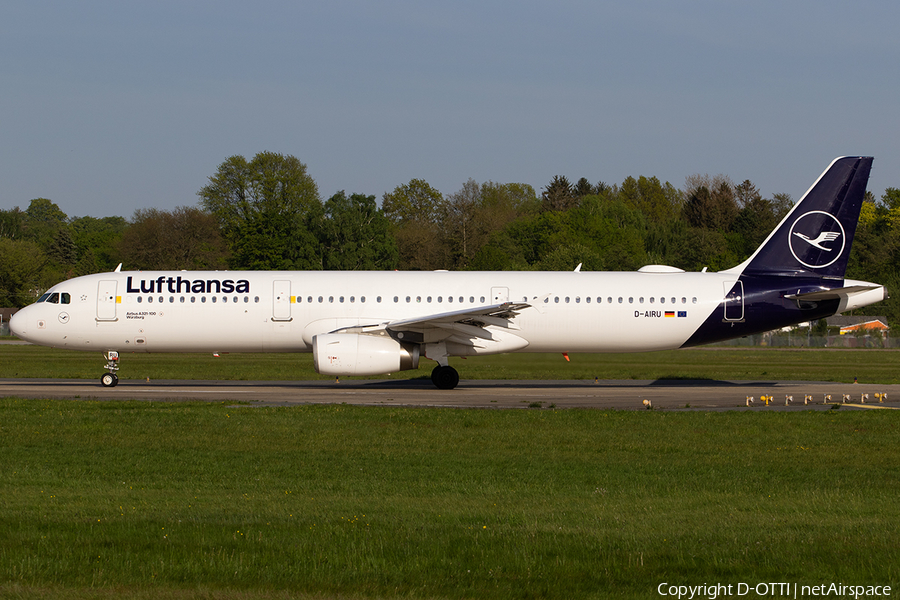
{"points": [[54, 298], [66, 298], [44, 297]]}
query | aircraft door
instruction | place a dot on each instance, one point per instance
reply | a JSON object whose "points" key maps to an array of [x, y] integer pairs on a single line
{"points": [[499, 295], [281, 308], [734, 300], [106, 300]]}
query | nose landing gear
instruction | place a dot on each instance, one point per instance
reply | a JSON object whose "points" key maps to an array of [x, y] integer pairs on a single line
{"points": [[112, 365]]}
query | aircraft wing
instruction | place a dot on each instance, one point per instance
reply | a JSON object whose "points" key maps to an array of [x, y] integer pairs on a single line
{"points": [[468, 327], [481, 316]]}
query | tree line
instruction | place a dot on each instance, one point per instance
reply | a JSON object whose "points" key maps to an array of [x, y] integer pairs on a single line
{"points": [[266, 213]]}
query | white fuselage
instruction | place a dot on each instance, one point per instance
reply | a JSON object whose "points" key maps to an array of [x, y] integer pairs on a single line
{"points": [[265, 311]]}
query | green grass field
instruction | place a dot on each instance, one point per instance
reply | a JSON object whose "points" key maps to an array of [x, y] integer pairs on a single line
{"points": [[869, 366], [205, 500], [128, 499]]}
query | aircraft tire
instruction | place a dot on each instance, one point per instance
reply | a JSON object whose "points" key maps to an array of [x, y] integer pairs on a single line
{"points": [[444, 378], [109, 380]]}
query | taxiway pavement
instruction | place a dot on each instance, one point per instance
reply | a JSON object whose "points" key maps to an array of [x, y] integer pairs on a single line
{"points": [[619, 394]]}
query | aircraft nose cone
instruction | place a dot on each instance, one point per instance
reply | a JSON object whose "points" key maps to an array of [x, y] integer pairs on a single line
{"points": [[17, 324]]}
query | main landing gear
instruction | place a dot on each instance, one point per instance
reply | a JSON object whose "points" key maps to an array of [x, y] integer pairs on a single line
{"points": [[444, 377], [112, 365]]}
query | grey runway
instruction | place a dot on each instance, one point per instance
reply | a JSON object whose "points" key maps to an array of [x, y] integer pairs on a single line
{"points": [[507, 394]]}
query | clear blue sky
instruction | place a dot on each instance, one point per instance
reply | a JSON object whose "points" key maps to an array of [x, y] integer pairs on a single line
{"points": [[106, 107]]}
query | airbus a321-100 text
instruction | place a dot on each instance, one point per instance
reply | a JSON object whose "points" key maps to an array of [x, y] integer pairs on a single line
{"points": [[371, 323]]}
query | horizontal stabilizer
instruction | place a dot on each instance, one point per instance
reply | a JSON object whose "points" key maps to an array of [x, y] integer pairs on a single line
{"points": [[835, 294], [855, 295]]}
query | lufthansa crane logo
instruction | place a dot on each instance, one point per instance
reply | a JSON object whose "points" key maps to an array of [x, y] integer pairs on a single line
{"points": [[817, 239]]}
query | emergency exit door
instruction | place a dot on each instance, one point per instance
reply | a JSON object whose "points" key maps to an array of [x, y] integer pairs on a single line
{"points": [[281, 300]]}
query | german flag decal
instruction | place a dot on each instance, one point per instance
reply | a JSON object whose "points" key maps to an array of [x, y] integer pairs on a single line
{"points": [[670, 313]]}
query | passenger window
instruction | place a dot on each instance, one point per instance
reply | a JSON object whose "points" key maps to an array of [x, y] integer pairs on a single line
{"points": [[684, 300], [641, 299], [610, 300], [588, 299], [181, 299], [139, 299], [556, 299], [362, 299], [472, 299], [256, 299], [662, 300], [630, 300], [235, 299], [150, 299], [694, 300], [407, 299], [567, 299], [193, 299], [482, 300], [321, 299], [418, 298], [213, 299], [202, 299], [652, 299], [171, 299], [331, 298]]}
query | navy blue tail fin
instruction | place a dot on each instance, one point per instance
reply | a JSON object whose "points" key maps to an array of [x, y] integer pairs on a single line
{"points": [[814, 238]]}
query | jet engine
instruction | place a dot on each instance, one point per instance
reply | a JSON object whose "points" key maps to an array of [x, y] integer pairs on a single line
{"points": [[359, 354]]}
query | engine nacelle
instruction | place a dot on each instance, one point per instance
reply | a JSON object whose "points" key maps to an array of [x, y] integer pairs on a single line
{"points": [[358, 354]]}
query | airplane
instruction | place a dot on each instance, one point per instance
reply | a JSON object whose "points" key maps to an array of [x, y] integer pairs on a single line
{"points": [[371, 323]]}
